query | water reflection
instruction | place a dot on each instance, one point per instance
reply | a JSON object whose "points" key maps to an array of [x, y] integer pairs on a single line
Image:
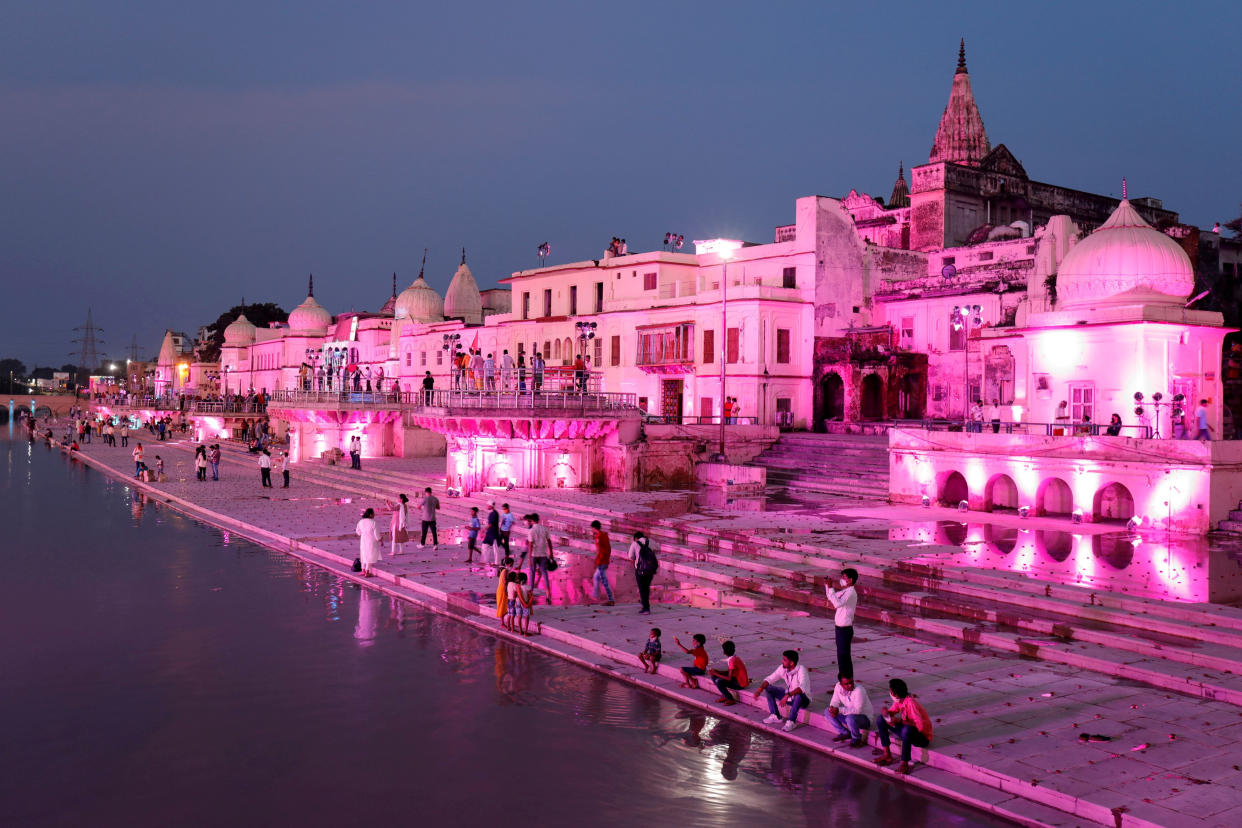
{"points": [[1154, 565]]}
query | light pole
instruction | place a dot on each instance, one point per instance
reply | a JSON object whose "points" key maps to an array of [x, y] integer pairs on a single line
{"points": [[313, 355], [586, 332], [962, 317], [451, 343]]}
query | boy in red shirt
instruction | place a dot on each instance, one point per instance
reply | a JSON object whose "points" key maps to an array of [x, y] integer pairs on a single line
{"points": [[699, 668], [735, 678], [907, 718]]}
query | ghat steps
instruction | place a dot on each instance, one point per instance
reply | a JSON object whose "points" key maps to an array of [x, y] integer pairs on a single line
{"points": [[841, 464]]}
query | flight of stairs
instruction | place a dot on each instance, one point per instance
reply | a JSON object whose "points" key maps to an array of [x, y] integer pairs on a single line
{"points": [[853, 465]]}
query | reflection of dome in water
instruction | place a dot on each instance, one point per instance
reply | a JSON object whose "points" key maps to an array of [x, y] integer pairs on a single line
{"points": [[1125, 260]]}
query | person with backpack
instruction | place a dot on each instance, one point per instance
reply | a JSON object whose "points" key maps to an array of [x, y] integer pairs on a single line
{"points": [[645, 566]]}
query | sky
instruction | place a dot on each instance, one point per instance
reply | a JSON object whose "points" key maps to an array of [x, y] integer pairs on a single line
{"points": [[161, 161]]}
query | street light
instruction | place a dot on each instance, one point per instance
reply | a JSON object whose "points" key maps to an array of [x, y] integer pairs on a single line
{"points": [[963, 317], [586, 332], [725, 249]]}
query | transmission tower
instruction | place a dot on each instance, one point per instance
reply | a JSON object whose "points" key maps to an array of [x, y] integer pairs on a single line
{"points": [[133, 349], [88, 356]]}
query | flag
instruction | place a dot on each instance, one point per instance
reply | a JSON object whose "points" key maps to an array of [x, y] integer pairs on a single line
{"points": [[474, 346]]}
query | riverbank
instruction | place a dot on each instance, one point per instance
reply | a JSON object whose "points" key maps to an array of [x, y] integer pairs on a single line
{"points": [[987, 752]]}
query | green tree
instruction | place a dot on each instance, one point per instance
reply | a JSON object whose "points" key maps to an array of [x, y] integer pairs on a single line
{"points": [[1235, 226], [260, 316]]}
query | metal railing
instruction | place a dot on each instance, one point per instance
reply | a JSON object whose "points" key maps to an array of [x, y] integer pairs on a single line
{"points": [[239, 406], [450, 399], [1064, 428], [707, 419]]}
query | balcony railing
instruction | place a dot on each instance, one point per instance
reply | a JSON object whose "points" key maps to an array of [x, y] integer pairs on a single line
{"points": [[451, 399], [1061, 429]]}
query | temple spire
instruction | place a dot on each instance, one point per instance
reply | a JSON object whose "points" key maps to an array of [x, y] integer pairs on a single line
{"points": [[463, 255], [310, 285], [960, 138], [1123, 189], [901, 192], [423, 265], [394, 284]]}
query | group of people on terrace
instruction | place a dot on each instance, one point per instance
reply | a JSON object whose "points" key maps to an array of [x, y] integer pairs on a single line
{"points": [[1185, 423], [357, 378], [476, 370]]}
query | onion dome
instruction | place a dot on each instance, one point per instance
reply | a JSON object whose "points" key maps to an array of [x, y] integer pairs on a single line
{"points": [[239, 332], [310, 317], [1125, 260], [463, 299], [419, 302]]}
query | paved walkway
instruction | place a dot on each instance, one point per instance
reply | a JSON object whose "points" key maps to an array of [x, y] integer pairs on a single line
{"points": [[1007, 727]]}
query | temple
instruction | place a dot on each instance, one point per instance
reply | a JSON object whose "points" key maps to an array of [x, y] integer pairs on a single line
{"points": [[1053, 306]]}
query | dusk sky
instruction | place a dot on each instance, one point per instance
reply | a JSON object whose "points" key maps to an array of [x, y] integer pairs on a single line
{"points": [[163, 160]]}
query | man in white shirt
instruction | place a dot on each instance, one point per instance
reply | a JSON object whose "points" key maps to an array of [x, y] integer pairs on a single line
{"points": [[430, 505], [849, 712], [506, 370], [539, 547], [796, 691], [845, 601]]}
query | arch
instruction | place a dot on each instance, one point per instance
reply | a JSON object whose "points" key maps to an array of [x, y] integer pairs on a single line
{"points": [[832, 387], [872, 397], [1000, 494], [1054, 545], [1113, 503], [951, 532], [1114, 549], [556, 349], [1054, 498], [953, 489], [567, 350]]}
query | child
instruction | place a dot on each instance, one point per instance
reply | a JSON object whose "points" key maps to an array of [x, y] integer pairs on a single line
{"points": [[511, 602], [159, 469], [526, 603], [472, 534], [650, 656], [502, 595], [699, 668]]}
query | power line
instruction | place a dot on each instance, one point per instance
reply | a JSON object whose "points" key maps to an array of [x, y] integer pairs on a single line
{"points": [[88, 356]]}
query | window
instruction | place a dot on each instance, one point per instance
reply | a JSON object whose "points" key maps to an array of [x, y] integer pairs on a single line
{"points": [[1082, 401], [440, 357], [614, 359], [782, 346], [789, 277], [557, 353], [666, 345], [573, 300], [649, 281], [526, 305], [642, 403], [709, 347], [408, 363], [733, 345], [547, 349], [957, 337], [598, 358], [599, 297], [907, 331], [547, 302]]}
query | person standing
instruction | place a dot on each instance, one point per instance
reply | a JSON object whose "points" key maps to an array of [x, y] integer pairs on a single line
{"points": [[539, 547], [284, 469], [645, 566], [125, 433], [429, 385], [603, 556], [976, 417], [472, 534], [537, 366], [506, 370], [994, 414], [213, 457], [476, 369], [521, 369], [489, 373], [200, 464], [845, 601], [506, 527], [849, 712], [265, 469], [1201, 422], [728, 411], [796, 690], [491, 537], [906, 718], [429, 506], [369, 542], [399, 526], [137, 455]]}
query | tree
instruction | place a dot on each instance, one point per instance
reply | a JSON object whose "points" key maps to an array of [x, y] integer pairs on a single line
{"points": [[15, 365], [1235, 226], [259, 315]]}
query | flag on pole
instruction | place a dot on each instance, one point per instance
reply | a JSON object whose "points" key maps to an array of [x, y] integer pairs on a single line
{"points": [[474, 346]]}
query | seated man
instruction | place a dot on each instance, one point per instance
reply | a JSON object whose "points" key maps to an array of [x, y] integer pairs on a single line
{"points": [[908, 719], [849, 712], [796, 691]]}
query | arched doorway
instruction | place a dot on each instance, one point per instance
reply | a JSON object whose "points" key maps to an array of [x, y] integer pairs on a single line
{"points": [[954, 490], [833, 389], [1000, 494], [872, 397], [912, 397], [1054, 498], [1113, 503]]}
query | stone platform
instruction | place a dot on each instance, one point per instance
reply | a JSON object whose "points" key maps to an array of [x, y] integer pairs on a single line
{"points": [[1012, 667]]}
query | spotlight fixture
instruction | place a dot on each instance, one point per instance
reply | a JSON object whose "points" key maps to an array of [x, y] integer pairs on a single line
{"points": [[963, 506], [1024, 511], [1138, 396], [1077, 516], [926, 501], [1138, 411], [1157, 396], [1134, 522]]}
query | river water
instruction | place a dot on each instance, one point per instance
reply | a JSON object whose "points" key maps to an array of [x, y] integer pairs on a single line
{"points": [[157, 671]]}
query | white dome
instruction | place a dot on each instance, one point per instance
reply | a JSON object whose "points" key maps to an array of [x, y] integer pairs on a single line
{"points": [[463, 299], [239, 332], [1125, 260], [310, 318], [419, 303]]}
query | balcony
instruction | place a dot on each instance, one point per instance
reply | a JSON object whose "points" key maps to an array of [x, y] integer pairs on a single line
{"points": [[666, 349]]}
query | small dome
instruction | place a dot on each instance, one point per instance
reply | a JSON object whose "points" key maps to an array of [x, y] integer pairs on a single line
{"points": [[463, 299], [419, 303], [1126, 259], [239, 332], [310, 318]]}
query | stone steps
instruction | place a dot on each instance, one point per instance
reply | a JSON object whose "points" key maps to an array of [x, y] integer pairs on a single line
{"points": [[847, 465]]}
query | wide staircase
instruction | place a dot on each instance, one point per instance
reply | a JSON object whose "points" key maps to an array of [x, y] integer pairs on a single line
{"points": [[853, 465]]}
